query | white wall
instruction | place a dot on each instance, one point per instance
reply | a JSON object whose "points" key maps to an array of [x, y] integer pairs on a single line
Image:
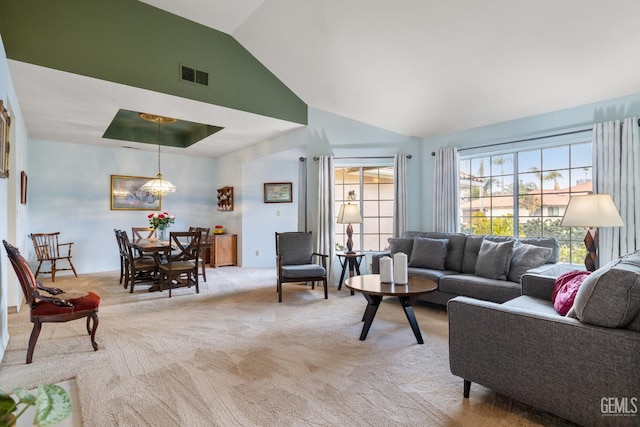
{"points": [[69, 191]]}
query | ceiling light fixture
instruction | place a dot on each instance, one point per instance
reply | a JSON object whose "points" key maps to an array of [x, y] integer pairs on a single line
{"points": [[158, 186]]}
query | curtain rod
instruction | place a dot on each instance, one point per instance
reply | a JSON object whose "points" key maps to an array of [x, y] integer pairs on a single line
{"points": [[433, 153], [497, 144], [363, 157]]}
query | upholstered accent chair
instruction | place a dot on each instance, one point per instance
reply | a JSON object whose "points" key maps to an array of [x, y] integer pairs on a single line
{"points": [[50, 308], [295, 261], [48, 248]]}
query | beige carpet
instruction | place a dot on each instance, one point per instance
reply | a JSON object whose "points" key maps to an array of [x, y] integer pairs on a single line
{"points": [[232, 355]]}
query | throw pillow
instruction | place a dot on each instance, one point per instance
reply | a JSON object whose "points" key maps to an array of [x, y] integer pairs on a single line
{"points": [[400, 245], [494, 260], [526, 257], [565, 290], [610, 296], [428, 253]]}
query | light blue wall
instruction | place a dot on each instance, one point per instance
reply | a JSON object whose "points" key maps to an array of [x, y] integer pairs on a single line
{"points": [[69, 191], [260, 220], [279, 159], [581, 117], [13, 215]]}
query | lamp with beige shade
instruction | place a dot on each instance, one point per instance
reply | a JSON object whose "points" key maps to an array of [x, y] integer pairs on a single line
{"points": [[591, 210]]}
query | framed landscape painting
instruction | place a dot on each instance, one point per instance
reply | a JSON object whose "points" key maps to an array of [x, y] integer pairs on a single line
{"points": [[127, 194], [277, 192]]}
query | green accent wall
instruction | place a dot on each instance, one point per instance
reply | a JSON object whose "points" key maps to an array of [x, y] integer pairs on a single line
{"points": [[128, 126], [132, 43]]}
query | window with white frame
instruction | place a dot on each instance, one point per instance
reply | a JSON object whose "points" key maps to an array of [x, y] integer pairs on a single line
{"points": [[524, 193], [371, 187]]}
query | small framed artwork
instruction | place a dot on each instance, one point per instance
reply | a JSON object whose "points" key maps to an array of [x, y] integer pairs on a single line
{"points": [[5, 122], [23, 187], [127, 194], [277, 192]]}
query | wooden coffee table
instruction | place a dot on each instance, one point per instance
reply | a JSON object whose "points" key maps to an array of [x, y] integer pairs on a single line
{"points": [[373, 291]]}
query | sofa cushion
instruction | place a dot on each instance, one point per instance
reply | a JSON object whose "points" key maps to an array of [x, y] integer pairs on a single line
{"points": [[494, 260], [610, 296], [430, 274], [538, 305], [526, 257], [545, 242], [565, 290], [428, 253], [472, 248], [455, 248], [479, 287], [403, 245]]}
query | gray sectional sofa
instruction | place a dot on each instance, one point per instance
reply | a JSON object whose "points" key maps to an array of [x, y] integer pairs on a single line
{"points": [[465, 265], [583, 367]]}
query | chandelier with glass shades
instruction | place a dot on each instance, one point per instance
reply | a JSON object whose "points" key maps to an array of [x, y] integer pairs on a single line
{"points": [[158, 186]]}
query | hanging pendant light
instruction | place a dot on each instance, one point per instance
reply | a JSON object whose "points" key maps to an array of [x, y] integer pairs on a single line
{"points": [[158, 186]]}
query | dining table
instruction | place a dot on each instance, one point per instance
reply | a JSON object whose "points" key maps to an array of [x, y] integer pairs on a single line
{"points": [[157, 248]]}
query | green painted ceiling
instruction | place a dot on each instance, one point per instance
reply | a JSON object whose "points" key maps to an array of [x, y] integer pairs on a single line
{"points": [[128, 126], [132, 43]]}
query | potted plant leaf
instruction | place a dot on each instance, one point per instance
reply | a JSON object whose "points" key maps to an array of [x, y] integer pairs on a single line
{"points": [[52, 405]]}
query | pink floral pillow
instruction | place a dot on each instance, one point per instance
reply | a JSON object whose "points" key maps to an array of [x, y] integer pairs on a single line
{"points": [[566, 288]]}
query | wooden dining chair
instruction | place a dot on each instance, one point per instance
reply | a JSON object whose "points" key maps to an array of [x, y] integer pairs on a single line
{"points": [[181, 269], [45, 309], [202, 260], [137, 268], [48, 248], [143, 233], [123, 258]]}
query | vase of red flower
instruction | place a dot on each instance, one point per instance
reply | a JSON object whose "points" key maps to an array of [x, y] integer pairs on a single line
{"points": [[160, 222]]}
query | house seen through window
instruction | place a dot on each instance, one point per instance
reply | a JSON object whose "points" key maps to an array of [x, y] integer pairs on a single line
{"points": [[525, 192], [370, 187]]}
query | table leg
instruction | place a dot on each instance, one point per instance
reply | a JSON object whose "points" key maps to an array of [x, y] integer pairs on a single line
{"points": [[373, 302], [353, 265], [344, 269], [407, 303]]}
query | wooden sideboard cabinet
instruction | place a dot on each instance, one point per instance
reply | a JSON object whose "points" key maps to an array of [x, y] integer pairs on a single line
{"points": [[223, 250]]}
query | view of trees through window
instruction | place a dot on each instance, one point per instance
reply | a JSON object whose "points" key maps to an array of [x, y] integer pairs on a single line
{"points": [[370, 187], [525, 193]]}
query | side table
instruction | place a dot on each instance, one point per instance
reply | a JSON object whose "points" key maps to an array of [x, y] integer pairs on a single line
{"points": [[353, 261]]}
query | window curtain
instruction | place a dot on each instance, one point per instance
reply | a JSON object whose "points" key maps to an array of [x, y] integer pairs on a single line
{"points": [[326, 227], [446, 202], [302, 195], [400, 195], [616, 171]]}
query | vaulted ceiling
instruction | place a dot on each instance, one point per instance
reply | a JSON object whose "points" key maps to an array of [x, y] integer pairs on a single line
{"points": [[416, 67]]}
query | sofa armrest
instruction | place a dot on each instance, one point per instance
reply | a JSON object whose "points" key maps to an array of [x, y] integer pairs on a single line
{"points": [[375, 261], [536, 357], [537, 285]]}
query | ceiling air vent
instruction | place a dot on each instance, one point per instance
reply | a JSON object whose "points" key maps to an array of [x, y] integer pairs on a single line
{"points": [[189, 74]]}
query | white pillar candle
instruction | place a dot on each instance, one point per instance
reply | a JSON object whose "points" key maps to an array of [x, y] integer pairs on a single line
{"points": [[386, 269], [400, 273]]}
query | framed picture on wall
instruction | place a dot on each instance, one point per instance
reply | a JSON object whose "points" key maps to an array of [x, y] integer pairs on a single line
{"points": [[278, 192], [23, 187], [5, 122], [127, 194]]}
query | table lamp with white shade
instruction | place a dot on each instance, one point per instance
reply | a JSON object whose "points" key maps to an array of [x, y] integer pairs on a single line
{"points": [[349, 214], [591, 210]]}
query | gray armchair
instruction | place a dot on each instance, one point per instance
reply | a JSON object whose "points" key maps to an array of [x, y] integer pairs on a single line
{"points": [[295, 259]]}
